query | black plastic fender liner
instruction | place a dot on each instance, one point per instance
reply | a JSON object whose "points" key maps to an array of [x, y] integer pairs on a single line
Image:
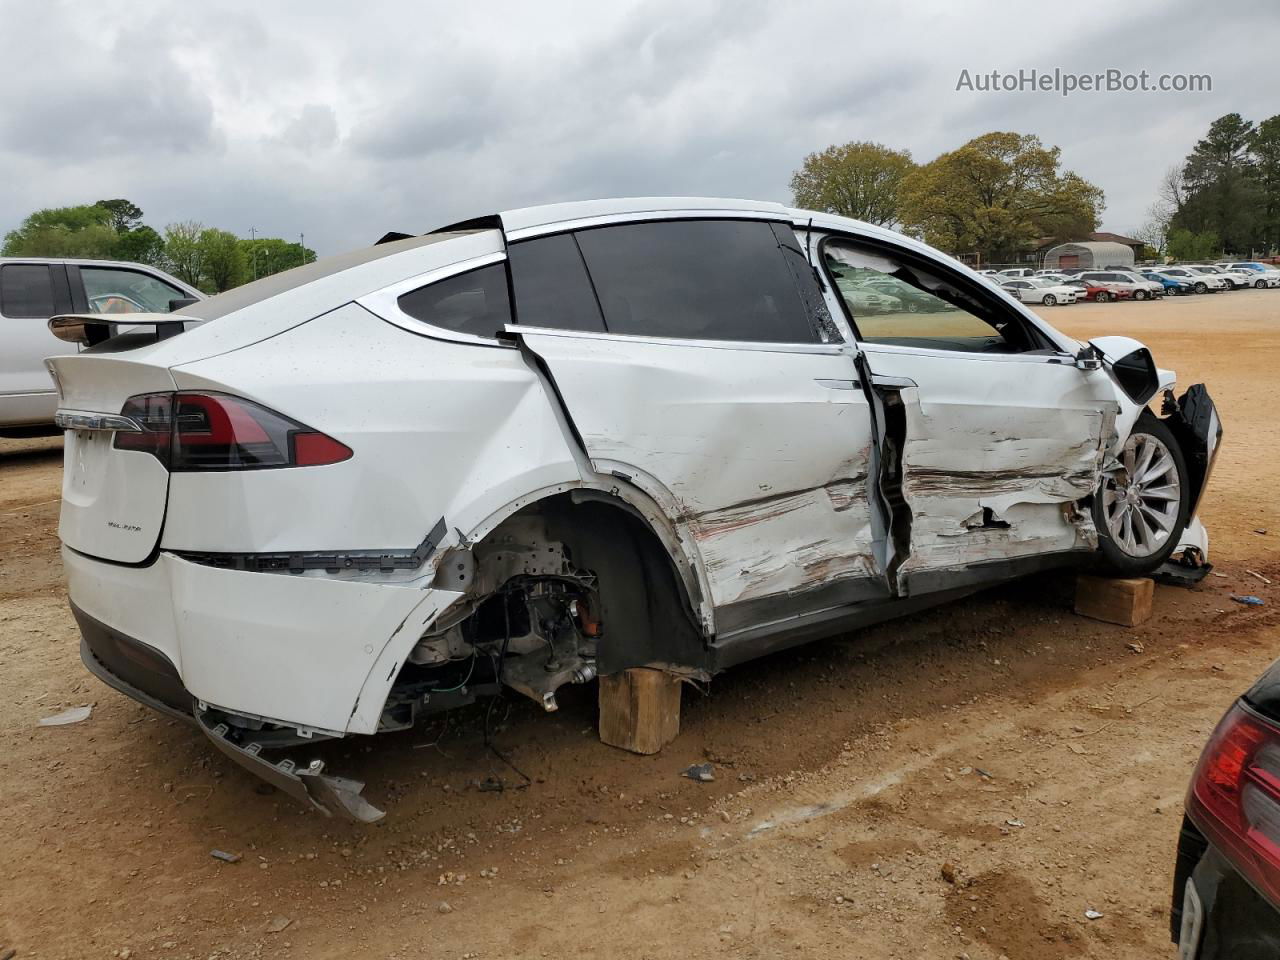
{"points": [[332, 796]]}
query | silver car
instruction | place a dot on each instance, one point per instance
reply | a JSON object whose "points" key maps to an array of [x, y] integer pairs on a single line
{"points": [[33, 289]]}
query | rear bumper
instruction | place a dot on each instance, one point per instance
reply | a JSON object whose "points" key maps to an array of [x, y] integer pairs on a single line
{"points": [[146, 675], [309, 652], [1224, 918], [131, 667]]}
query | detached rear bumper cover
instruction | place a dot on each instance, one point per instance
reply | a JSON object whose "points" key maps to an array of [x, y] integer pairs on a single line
{"points": [[145, 674], [330, 795]]}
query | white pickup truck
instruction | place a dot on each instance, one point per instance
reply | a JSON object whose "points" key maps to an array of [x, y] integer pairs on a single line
{"points": [[33, 289]]}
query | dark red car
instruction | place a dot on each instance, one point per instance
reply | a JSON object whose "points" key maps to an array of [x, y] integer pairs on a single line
{"points": [[1098, 294]]}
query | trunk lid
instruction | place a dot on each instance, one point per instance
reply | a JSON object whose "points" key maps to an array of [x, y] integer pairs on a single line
{"points": [[113, 501]]}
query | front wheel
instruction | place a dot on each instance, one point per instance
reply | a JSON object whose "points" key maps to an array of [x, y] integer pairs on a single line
{"points": [[1049, 300], [1139, 294], [1141, 509], [1102, 296], [1259, 284], [1201, 287]]}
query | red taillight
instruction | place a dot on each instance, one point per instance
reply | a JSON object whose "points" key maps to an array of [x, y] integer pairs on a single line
{"points": [[214, 431], [1235, 796]]}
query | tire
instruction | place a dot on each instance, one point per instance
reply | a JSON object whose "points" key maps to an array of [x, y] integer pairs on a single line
{"points": [[1259, 284], [1138, 530], [1101, 296], [1140, 294], [1201, 287], [1049, 300]]}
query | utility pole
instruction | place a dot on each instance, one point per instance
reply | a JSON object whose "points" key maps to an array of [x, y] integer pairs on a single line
{"points": [[253, 242], [302, 242]]}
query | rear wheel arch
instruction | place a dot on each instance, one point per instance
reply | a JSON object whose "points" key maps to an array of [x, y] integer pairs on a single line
{"points": [[650, 593]]}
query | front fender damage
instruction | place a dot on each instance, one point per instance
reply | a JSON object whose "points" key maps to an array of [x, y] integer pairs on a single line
{"points": [[332, 796]]}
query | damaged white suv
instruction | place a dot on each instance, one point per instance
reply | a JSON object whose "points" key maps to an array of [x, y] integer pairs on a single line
{"points": [[564, 441]]}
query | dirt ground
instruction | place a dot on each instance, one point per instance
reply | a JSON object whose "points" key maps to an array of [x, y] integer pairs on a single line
{"points": [[1042, 757]]}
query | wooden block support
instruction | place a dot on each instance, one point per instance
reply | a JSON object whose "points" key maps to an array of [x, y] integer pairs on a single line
{"points": [[639, 709], [1115, 600]]}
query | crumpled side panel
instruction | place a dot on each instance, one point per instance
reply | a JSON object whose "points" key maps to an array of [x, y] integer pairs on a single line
{"points": [[791, 542], [985, 487]]}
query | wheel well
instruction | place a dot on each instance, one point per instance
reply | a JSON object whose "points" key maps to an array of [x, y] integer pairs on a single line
{"points": [[645, 610]]}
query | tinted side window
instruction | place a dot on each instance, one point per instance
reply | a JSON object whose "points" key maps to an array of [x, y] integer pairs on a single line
{"points": [[893, 301], [474, 302], [697, 279], [26, 290], [551, 286]]}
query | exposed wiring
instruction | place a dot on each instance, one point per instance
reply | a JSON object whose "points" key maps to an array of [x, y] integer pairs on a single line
{"points": [[488, 713], [465, 680]]}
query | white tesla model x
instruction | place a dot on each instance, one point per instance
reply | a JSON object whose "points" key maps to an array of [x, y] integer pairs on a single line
{"points": [[563, 441]]}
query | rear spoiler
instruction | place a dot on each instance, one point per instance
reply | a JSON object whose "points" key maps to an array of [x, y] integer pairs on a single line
{"points": [[88, 329]]}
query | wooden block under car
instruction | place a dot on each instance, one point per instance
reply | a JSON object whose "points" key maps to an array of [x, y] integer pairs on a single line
{"points": [[1126, 601], [639, 709]]}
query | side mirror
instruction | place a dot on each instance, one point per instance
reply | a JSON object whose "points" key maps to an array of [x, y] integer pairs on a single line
{"points": [[180, 302], [1131, 364]]}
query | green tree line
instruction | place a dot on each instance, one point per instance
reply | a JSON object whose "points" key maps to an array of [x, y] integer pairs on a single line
{"points": [[210, 259]]}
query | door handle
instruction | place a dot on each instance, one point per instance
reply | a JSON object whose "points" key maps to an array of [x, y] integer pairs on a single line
{"points": [[839, 384]]}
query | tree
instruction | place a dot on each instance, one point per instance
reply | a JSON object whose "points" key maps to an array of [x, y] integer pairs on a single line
{"points": [[221, 258], [859, 180], [83, 231], [1222, 196], [183, 252], [140, 245], [998, 195], [124, 214], [264, 256], [1185, 245], [1154, 233], [1265, 150]]}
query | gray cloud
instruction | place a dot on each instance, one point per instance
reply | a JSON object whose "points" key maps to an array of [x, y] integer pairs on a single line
{"points": [[313, 128], [299, 118]]}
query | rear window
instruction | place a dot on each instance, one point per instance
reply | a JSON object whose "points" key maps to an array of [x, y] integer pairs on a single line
{"points": [[237, 298], [698, 280], [26, 290], [475, 302]]}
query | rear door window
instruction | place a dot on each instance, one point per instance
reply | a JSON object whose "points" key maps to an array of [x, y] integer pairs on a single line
{"points": [[474, 302], [26, 290], [699, 280], [550, 284]]}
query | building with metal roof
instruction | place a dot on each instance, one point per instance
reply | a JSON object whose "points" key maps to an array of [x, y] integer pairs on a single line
{"points": [[1089, 254]]}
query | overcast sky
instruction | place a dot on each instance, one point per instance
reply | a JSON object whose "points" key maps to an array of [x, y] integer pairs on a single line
{"points": [[343, 119]]}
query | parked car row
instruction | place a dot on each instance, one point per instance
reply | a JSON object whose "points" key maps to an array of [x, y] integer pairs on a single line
{"points": [[1071, 284]]}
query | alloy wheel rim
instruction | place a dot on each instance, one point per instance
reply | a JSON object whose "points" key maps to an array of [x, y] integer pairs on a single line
{"points": [[1142, 502]]}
